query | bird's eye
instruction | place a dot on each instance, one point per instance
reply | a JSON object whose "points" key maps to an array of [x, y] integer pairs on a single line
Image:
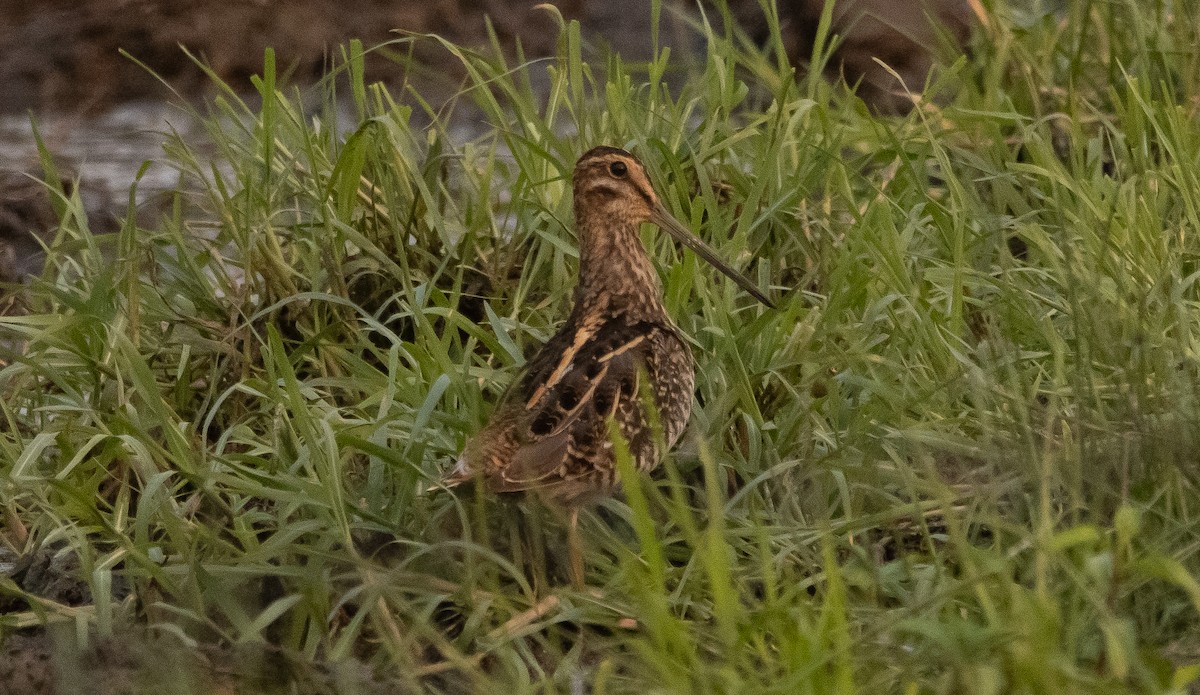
{"points": [[618, 169]]}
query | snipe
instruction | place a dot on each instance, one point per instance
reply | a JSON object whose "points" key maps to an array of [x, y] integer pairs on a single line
{"points": [[618, 352]]}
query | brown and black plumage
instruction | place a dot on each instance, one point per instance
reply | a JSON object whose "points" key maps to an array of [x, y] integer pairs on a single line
{"points": [[618, 356]]}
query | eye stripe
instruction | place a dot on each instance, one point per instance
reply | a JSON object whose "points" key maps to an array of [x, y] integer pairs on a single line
{"points": [[607, 186]]}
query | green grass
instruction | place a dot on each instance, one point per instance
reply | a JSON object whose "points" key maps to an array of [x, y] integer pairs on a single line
{"points": [[959, 457]]}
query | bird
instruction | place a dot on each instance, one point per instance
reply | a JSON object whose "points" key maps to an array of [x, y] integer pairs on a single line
{"points": [[619, 358]]}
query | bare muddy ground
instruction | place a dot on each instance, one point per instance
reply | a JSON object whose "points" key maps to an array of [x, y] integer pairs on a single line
{"points": [[139, 660], [66, 56]]}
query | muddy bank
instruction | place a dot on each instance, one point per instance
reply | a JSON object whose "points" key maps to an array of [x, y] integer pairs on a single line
{"points": [[63, 55], [136, 659], [66, 55]]}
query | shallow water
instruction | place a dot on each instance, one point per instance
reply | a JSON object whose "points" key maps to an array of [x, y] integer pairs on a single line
{"points": [[105, 150]]}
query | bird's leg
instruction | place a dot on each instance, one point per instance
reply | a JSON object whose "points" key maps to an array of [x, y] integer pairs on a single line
{"points": [[535, 544], [575, 549]]}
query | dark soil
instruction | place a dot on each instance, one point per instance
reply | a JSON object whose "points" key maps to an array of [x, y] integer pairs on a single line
{"points": [[135, 660], [66, 54]]}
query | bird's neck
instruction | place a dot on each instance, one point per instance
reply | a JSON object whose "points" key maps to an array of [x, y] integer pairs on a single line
{"points": [[615, 272]]}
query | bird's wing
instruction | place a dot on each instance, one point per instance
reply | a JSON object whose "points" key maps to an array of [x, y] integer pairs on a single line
{"points": [[566, 399]]}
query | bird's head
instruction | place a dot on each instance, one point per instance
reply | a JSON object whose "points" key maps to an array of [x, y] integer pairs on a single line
{"points": [[613, 194]]}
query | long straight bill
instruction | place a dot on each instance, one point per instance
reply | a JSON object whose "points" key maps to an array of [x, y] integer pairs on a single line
{"points": [[675, 228]]}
